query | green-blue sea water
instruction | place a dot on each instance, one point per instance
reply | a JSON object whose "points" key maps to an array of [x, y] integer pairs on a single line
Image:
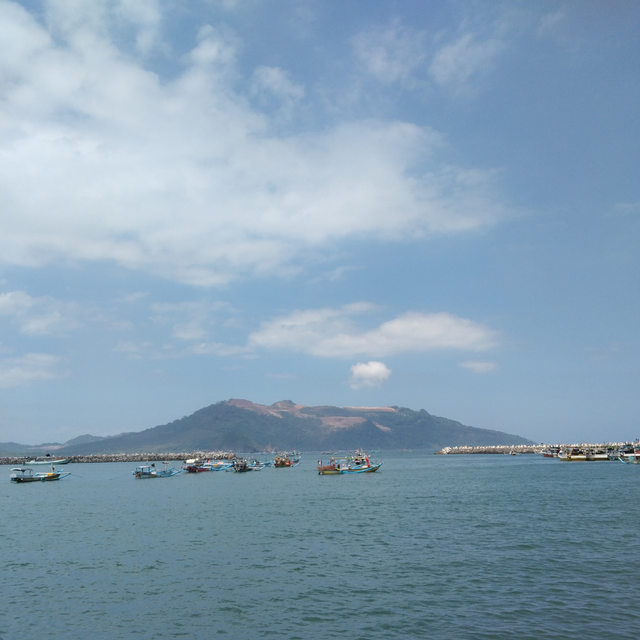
{"points": [[470, 546]]}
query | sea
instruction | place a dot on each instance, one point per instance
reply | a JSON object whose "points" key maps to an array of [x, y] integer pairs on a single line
{"points": [[430, 546]]}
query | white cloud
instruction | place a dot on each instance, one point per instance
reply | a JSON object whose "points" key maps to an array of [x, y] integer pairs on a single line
{"points": [[277, 82], [218, 349], [104, 160], [454, 64], [390, 54], [32, 367], [368, 374], [189, 320], [479, 366], [549, 21], [39, 316], [331, 333]]}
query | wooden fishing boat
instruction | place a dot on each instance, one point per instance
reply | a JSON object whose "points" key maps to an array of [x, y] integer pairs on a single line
{"points": [[146, 471], [366, 468], [19, 475], [243, 465], [286, 460], [332, 468], [218, 465], [196, 468], [359, 462]]}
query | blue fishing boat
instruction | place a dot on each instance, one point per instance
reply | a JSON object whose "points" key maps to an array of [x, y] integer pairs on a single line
{"points": [[19, 475], [218, 465], [359, 462], [146, 471]]}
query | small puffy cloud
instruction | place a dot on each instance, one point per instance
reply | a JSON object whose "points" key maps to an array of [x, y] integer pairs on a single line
{"points": [[32, 367], [479, 366], [454, 64], [332, 333], [368, 374]]}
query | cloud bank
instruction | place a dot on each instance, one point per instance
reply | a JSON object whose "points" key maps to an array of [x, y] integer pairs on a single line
{"points": [[186, 177], [331, 333], [31, 367]]}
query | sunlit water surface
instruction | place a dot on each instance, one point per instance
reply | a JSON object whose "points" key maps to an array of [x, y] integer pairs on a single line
{"points": [[429, 547]]}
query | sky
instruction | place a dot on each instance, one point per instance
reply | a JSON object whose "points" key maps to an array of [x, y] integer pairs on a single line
{"points": [[433, 205]]}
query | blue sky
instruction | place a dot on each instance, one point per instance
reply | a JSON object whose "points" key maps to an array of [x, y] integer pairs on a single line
{"points": [[432, 205]]}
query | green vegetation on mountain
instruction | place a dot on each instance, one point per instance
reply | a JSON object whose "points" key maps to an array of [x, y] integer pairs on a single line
{"points": [[239, 425]]}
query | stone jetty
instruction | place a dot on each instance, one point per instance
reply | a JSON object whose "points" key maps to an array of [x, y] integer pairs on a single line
{"points": [[521, 448], [524, 448], [134, 457]]}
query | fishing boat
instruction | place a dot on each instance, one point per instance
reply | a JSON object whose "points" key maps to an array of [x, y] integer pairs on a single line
{"points": [[358, 462], [630, 458], [194, 465], [332, 468], [285, 460], [218, 465], [242, 465], [145, 471], [48, 460], [195, 468], [19, 475], [584, 454]]}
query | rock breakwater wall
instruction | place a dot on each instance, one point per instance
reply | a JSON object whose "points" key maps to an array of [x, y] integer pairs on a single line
{"points": [[521, 448], [135, 457]]}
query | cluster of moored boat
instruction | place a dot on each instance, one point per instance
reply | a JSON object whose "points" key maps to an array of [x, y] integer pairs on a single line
{"points": [[358, 462], [239, 465], [629, 454]]}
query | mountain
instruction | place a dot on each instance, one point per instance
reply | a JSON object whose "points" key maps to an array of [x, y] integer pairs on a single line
{"points": [[241, 425]]}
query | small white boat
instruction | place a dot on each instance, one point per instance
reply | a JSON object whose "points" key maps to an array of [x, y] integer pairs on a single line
{"points": [[20, 475], [145, 471], [48, 461]]}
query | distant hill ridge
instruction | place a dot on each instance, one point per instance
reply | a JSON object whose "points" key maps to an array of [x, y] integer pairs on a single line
{"points": [[242, 425]]}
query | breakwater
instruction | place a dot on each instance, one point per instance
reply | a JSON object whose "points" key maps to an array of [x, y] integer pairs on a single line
{"points": [[133, 457], [521, 448], [536, 448]]}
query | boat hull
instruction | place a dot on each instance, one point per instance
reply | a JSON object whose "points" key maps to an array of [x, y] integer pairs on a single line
{"points": [[367, 469], [41, 478]]}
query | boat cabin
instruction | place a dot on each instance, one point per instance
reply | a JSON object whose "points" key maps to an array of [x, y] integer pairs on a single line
{"points": [[22, 475]]}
